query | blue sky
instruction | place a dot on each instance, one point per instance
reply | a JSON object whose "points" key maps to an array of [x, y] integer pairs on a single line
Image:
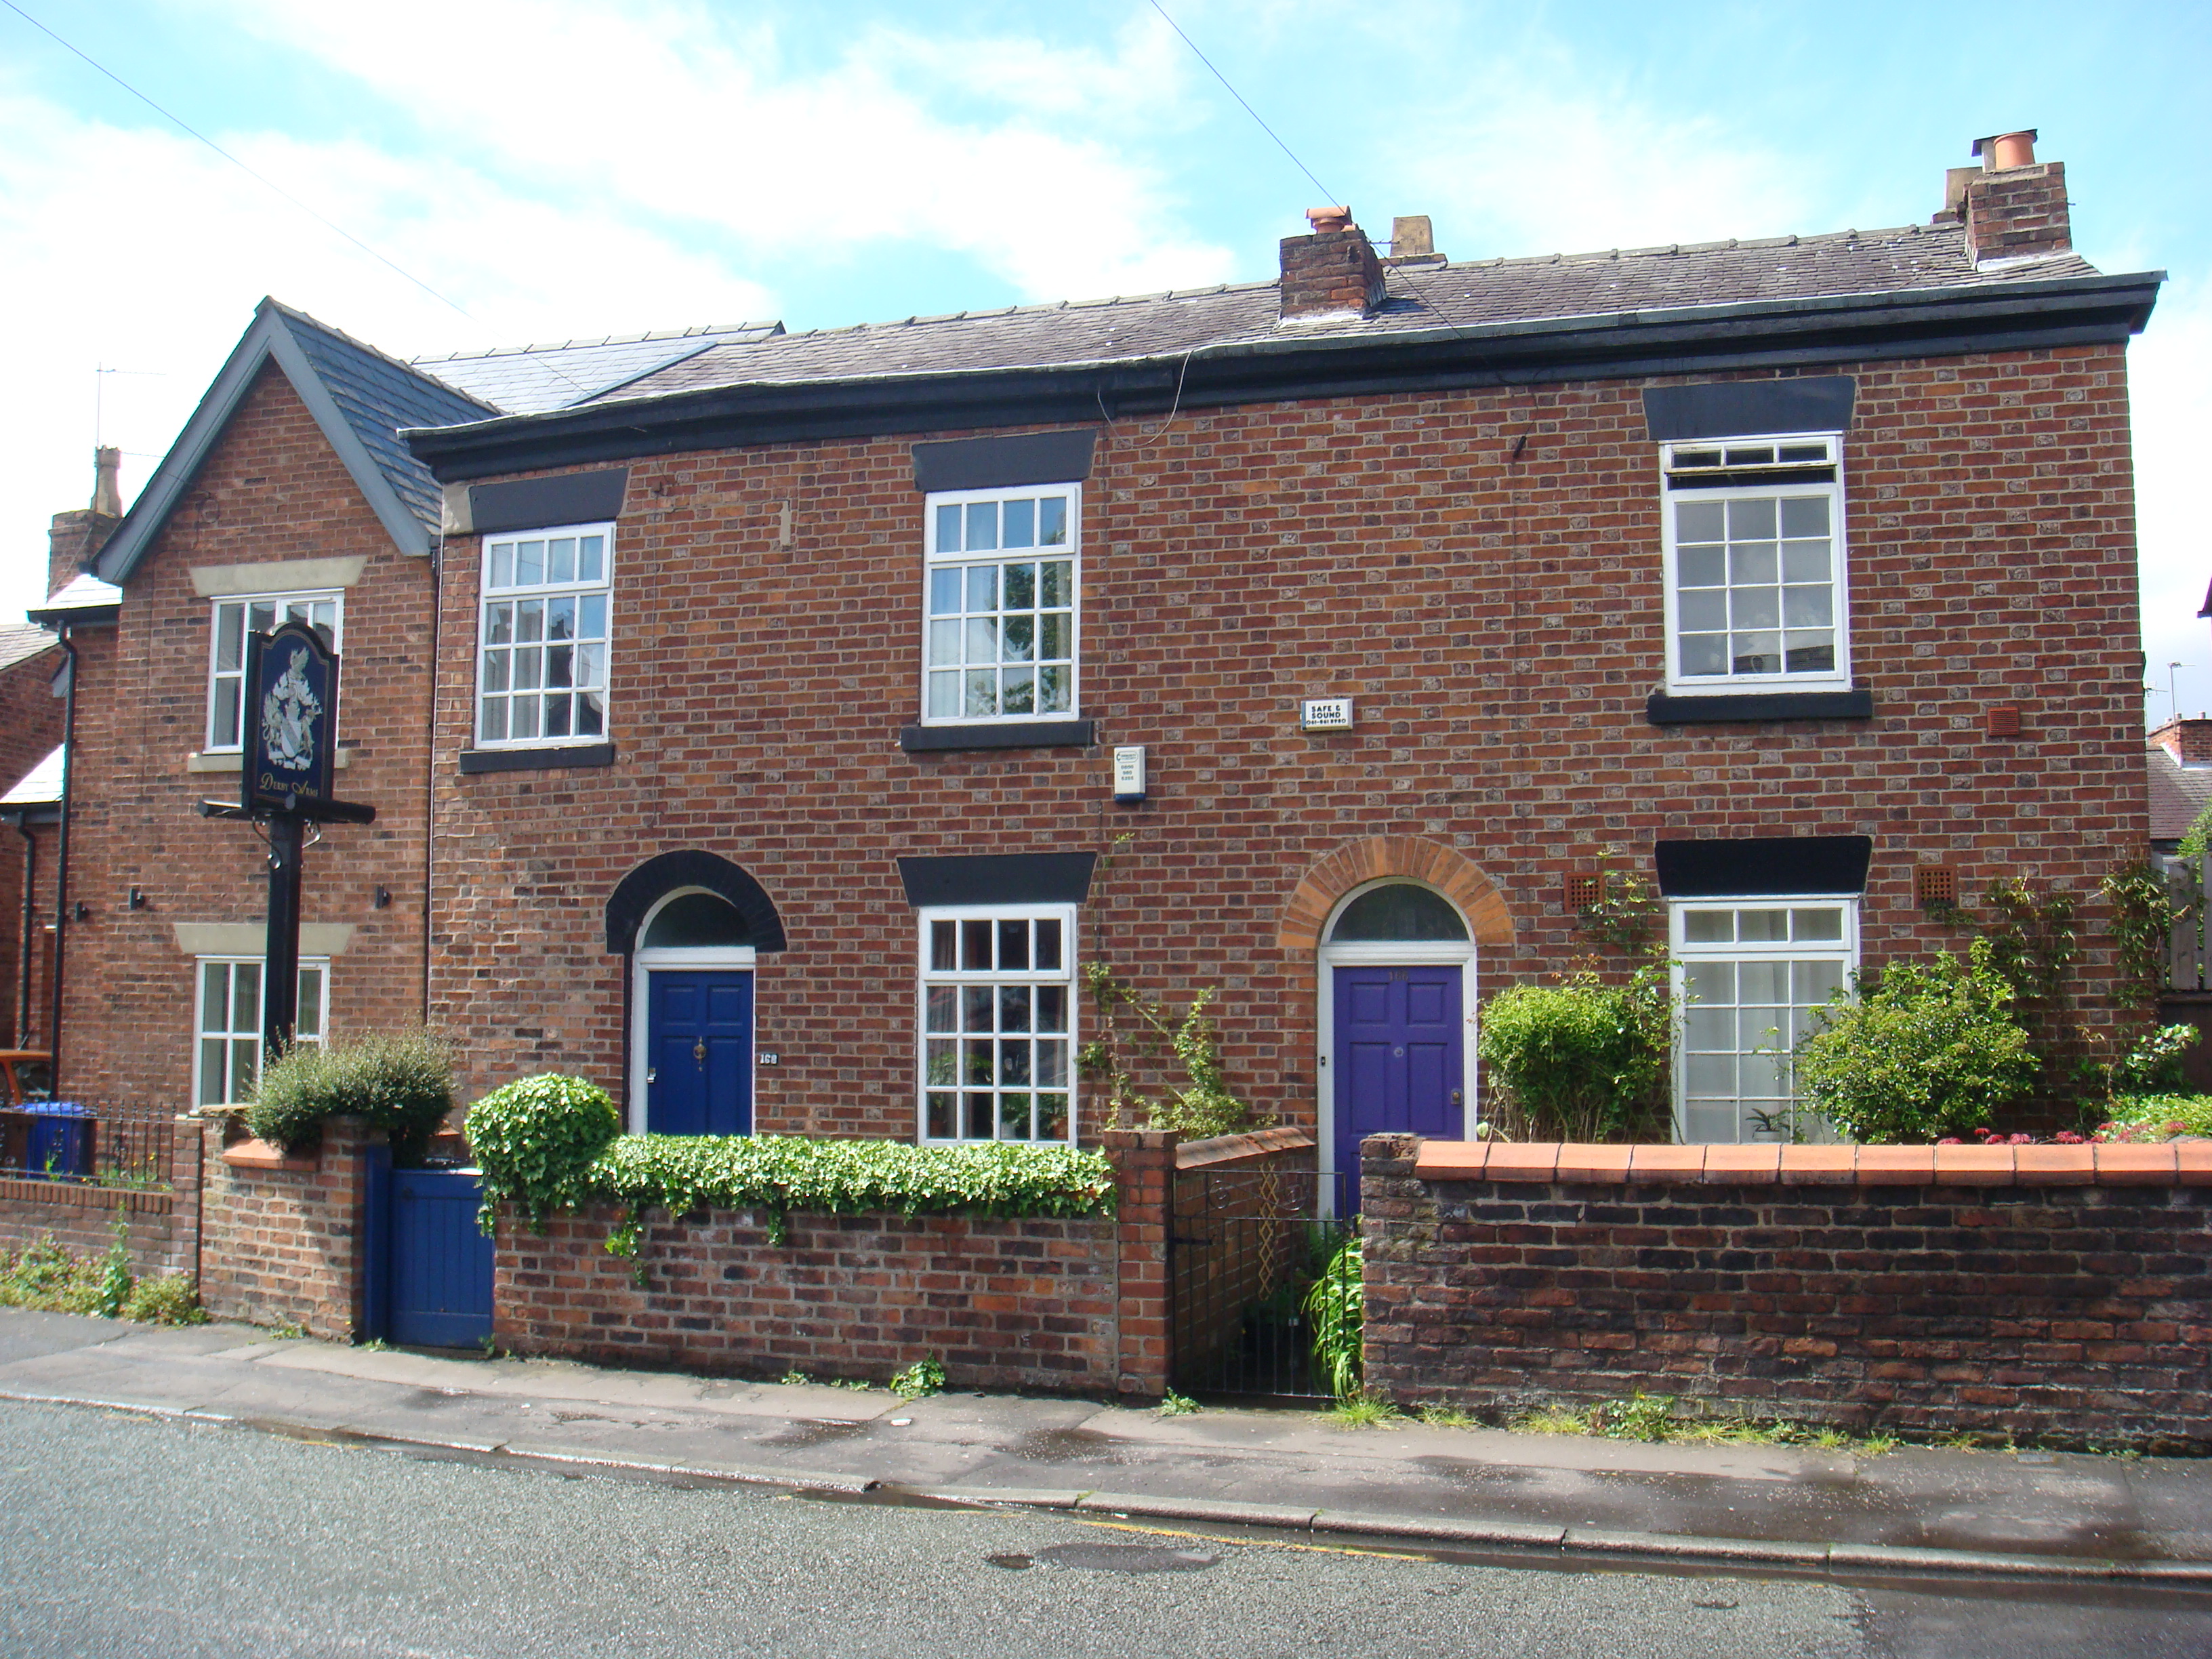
{"points": [[562, 168]]}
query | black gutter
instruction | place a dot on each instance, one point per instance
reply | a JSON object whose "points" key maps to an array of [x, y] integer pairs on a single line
{"points": [[1780, 333]]}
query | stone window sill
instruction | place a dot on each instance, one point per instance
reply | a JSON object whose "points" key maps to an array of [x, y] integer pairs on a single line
{"points": [[560, 759], [1662, 708], [998, 734]]}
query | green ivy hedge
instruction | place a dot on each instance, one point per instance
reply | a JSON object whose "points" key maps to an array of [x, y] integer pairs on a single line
{"points": [[548, 1144]]}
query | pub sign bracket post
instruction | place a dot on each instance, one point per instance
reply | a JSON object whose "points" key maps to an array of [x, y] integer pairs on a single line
{"points": [[289, 724]]}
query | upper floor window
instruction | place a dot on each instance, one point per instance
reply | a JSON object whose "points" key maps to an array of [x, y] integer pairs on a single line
{"points": [[1001, 623], [998, 1012], [1754, 542], [541, 666], [1749, 975], [233, 620]]}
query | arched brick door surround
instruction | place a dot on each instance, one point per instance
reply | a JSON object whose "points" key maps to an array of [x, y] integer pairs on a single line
{"points": [[1379, 858]]}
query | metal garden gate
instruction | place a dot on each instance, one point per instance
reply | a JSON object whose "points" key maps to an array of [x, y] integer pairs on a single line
{"points": [[1245, 1249], [429, 1268]]}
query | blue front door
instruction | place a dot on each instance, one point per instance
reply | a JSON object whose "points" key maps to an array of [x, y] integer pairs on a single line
{"points": [[1399, 1048], [699, 1053]]}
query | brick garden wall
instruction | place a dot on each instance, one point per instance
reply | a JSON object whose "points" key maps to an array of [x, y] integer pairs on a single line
{"points": [[161, 1227], [283, 1238], [1494, 607], [1071, 1305], [2061, 1294]]}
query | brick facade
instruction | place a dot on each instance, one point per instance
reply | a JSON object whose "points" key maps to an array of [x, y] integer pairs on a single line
{"points": [[272, 490], [2058, 1294], [1481, 571]]}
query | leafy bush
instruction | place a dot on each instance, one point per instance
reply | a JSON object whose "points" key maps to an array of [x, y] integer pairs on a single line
{"points": [[45, 1276], [919, 1380], [1208, 1107], [1582, 1059], [1932, 1051], [171, 1299], [535, 1141], [401, 1081], [1336, 1306], [782, 1174], [2157, 1116]]}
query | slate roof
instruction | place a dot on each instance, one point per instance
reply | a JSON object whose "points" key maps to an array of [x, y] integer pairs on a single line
{"points": [[39, 786], [83, 593], [2178, 794], [1420, 298], [378, 395], [531, 379], [21, 642]]}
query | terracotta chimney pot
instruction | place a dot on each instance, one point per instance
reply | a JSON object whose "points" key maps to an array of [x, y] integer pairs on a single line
{"points": [[106, 484], [1325, 220], [2007, 150]]}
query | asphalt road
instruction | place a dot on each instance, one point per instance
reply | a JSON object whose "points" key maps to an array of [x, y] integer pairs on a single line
{"points": [[126, 1535]]}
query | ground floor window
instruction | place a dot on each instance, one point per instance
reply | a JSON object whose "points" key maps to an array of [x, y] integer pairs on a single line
{"points": [[229, 1023], [998, 1012], [1749, 974]]}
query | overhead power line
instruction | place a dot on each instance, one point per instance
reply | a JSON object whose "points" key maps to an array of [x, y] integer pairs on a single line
{"points": [[1233, 93]]}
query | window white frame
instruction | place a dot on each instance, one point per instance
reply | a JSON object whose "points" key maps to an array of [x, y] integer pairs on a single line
{"points": [[644, 962], [1388, 953], [969, 637], [525, 667], [227, 650], [1831, 962], [226, 1043], [1049, 1055], [1798, 466]]}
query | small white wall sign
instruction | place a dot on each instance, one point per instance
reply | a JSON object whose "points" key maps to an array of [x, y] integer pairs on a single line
{"points": [[1326, 714]]}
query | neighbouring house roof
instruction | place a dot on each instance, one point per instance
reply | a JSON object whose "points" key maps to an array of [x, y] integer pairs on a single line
{"points": [[1782, 301], [2178, 794], [358, 396], [17, 644], [83, 599], [530, 379], [39, 786]]}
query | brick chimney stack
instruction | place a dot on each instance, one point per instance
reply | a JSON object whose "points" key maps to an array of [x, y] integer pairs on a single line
{"points": [[2014, 206], [76, 537], [2188, 738], [1332, 274]]}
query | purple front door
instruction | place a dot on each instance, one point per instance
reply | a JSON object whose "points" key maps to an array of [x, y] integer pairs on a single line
{"points": [[1399, 1048]]}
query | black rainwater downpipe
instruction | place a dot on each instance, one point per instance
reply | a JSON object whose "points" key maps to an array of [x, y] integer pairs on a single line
{"points": [[30, 929], [61, 862]]}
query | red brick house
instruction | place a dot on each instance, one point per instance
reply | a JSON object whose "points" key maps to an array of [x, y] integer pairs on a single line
{"points": [[780, 731]]}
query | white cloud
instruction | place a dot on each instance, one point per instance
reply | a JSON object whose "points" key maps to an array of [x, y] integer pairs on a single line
{"points": [[144, 251], [962, 145]]}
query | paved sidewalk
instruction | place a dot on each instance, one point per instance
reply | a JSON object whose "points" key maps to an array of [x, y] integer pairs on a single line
{"points": [[1910, 1512]]}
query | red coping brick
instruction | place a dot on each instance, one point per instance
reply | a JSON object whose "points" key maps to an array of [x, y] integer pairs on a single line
{"points": [[2123, 1165], [1451, 1160], [2193, 1161], [1974, 1166], [1666, 1163], [1521, 1161], [1895, 1166], [1820, 1166], [1589, 1161], [1753, 1165], [2054, 1166]]}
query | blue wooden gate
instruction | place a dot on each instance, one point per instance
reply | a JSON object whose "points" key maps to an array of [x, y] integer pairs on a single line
{"points": [[430, 1278]]}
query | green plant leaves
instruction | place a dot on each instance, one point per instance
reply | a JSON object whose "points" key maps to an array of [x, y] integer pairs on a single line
{"points": [[400, 1081]]}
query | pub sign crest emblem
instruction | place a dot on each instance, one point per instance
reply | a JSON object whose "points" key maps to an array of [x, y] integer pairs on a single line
{"points": [[291, 709]]}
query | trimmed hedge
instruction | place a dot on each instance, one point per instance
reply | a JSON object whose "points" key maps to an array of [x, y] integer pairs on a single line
{"points": [[400, 1081], [548, 1144], [782, 1174]]}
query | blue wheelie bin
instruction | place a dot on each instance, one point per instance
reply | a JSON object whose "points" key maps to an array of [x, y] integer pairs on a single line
{"points": [[60, 1145]]}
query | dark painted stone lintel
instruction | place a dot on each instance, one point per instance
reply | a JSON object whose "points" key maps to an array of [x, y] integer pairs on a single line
{"points": [[538, 760]]}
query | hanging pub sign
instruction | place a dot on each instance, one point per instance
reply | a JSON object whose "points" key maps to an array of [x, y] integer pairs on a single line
{"points": [[291, 717]]}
